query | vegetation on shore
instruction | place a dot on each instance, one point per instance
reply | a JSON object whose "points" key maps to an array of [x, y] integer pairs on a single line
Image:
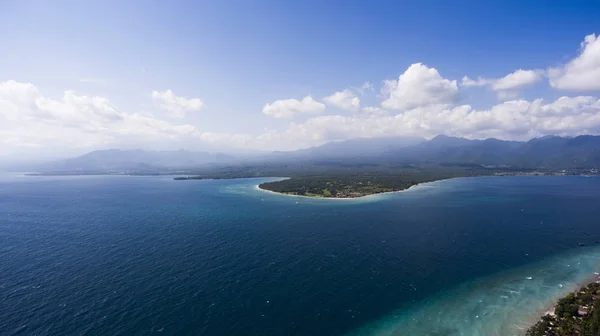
{"points": [[575, 314], [352, 185], [356, 180]]}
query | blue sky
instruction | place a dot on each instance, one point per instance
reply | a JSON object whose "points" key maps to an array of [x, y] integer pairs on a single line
{"points": [[77, 76]]}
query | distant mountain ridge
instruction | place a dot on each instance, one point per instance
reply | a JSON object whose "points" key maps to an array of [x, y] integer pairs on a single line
{"points": [[352, 148], [551, 152], [135, 160]]}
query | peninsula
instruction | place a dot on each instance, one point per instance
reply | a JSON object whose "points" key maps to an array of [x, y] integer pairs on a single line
{"points": [[349, 186], [359, 184]]}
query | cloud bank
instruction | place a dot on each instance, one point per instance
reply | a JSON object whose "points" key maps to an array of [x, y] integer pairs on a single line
{"points": [[419, 102]]}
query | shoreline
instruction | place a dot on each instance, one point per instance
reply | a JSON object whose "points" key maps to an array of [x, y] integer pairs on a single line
{"points": [[387, 192], [549, 310], [487, 288], [350, 198]]}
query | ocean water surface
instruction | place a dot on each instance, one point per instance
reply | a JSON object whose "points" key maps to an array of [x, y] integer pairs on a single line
{"points": [[108, 255]]}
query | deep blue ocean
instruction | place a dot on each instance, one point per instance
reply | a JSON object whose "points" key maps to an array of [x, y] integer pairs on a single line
{"points": [[120, 255]]}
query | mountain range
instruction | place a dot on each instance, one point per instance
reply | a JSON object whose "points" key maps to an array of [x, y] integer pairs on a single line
{"points": [[134, 160], [551, 152]]}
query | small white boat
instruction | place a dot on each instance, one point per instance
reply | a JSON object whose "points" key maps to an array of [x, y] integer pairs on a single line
{"points": [[529, 278]]}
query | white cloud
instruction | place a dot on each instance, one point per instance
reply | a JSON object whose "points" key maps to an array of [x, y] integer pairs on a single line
{"points": [[515, 80], [419, 86], [288, 108], [24, 102], [468, 82], [29, 119], [177, 106], [366, 87], [506, 86], [583, 72], [425, 104], [511, 120], [388, 86], [346, 100]]}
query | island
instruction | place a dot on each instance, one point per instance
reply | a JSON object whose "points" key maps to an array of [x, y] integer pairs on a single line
{"points": [[577, 313]]}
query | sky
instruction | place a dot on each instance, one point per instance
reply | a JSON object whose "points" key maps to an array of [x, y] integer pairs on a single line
{"points": [[265, 75]]}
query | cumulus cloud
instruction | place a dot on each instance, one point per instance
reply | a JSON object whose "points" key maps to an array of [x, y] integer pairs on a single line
{"points": [[583, 72], [30, 119], [505, 87], [516, 119], [515, 80], [177, 106], [468, 82], [346, 100], [512, 120], [23, 102], [420, 102], [418, 86], [288, 108]]}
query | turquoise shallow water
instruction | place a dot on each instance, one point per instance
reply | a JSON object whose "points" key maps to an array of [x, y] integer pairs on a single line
{"points": [[143, 255], [506, 303]]}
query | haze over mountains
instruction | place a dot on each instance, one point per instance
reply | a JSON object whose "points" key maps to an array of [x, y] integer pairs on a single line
{"points": [[551, 152], [548, 152], [135, 160], [353, 148]]}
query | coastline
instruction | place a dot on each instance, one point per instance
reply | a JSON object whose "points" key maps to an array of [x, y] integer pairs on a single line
{"points": [[387, 192], [502, 303], [349, 198], [549, 310], [257, 187]]}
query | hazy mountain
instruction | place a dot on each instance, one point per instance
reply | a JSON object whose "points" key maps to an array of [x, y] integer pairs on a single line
{"points": [[444, 141], [139, 160], [581, 151], [551, 152], [458, 150], [353, 148]]}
